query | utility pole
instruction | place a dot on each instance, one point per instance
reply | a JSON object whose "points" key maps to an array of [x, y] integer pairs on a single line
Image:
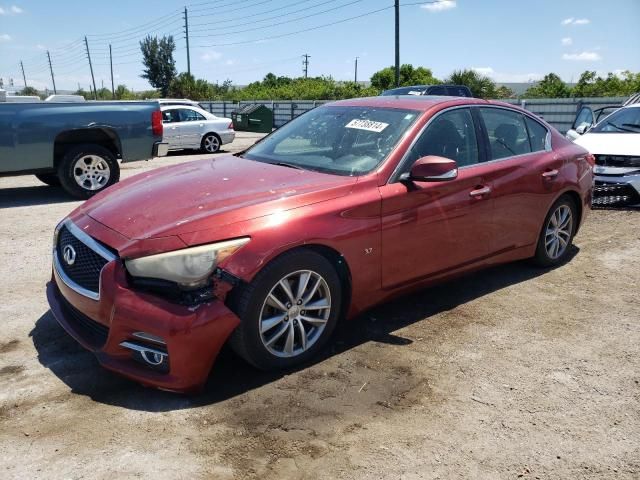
{"points": [[397, 9], [93, 79], [356, 76], [24, 78], [53, 79], [186, 32], [113, 90], [305, 64]]}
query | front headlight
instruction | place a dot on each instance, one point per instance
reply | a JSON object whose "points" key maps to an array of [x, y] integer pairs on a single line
{"points": [[189, 268]]}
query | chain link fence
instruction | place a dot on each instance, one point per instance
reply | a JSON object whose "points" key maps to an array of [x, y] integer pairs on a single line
{"points": [[559, 112]]}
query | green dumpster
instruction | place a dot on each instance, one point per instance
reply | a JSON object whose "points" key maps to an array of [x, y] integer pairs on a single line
{"points": [[253, 117]]}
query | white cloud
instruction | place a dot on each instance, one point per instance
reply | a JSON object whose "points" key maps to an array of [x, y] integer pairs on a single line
{"points": [[210, 56], [17, 10], [40, 47], [4, 37], [566, 41], [440, 6], [575, 21], [505, 77], [582, 56]]}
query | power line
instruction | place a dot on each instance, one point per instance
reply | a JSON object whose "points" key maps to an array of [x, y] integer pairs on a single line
{"points": [[304, 17], [288, 34], [244, 17]]}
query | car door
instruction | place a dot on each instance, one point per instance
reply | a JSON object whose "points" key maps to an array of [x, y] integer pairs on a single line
{"points": [[191, 126], [521, 174], [430, 228], [171, 127]]}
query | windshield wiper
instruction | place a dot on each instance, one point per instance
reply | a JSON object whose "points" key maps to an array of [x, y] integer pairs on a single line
{"points": [[285, 164], [621, 128]]}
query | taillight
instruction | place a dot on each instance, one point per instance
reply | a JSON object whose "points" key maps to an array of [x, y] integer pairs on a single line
{"points": [[156, 123], [230, 127], [591, 159]]}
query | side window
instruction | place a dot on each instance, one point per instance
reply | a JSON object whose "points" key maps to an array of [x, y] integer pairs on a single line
{"points": [[170, 116], [585, 117], [450, 135], [187, 115], [507, 133], [537, 135]]}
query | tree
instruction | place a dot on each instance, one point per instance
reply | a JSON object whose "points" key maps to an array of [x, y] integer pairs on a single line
{"points": [[160, 66], [504, 92], [480, 85], [385, 79], [551, 86], [29, 91]]}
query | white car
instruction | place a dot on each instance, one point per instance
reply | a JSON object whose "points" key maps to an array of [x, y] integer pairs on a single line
{"points": [[190, 127], [615, 142]]}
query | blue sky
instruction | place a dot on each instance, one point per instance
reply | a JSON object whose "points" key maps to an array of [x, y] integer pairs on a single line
{"points": [[508, 40]]}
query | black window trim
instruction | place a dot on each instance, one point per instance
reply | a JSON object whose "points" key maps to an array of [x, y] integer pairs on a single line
{"points": [[482, 140], [403, 166], [547, 141]]}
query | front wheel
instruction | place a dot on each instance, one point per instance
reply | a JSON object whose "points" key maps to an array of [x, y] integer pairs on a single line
{"points": [[88, 169], [557, 233], [210, 143], [288, 311]]}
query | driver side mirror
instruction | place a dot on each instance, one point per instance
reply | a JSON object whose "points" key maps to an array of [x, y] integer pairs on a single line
{"points": [[582, 128], [432, 169]]}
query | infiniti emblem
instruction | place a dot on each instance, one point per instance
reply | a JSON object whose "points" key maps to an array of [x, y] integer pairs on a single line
{"points": [[69, 255]]}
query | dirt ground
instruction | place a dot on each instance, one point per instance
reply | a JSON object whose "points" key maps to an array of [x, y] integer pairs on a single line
{"points": [[513, 372]]}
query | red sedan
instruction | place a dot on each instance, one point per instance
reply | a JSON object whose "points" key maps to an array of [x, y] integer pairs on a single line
{"points": [[342, 208]]}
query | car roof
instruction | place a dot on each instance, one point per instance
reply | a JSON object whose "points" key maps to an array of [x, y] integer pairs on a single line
{"points": [[413, 102]]}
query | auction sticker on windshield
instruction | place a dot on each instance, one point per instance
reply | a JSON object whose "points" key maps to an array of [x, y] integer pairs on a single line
{"points": [[368, 125]]}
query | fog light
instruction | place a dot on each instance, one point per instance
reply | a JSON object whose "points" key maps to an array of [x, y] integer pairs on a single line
{"points": [[155, 357]]}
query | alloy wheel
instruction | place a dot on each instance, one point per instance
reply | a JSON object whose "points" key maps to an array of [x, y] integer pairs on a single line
{"points": [[558, 232], [295, 313], [211, 144], [91, 172]]}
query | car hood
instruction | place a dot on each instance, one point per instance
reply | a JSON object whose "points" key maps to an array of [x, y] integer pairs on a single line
{"points": [[610, 143], [208, 194]]}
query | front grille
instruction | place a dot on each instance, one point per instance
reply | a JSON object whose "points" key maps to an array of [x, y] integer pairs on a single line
{"points": [[626, 161], [614, 195], [92, 332], [85, 270]]}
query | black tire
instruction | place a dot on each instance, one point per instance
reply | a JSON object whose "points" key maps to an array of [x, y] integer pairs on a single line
{"points": [[70, 163], [248, 301], [211, 143], [543, 257], [49, 179]]}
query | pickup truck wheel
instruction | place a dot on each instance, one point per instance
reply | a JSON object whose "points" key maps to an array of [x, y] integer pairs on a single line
{"points": [[210, 143], [49, 178], [88, 169]]}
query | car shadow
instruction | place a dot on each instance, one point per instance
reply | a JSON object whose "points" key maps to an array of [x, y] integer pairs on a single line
{"points": [[32, 196], [184, 153], [231, 376]]}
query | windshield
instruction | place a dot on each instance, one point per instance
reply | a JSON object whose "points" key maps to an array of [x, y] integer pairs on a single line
{"points": [[625, 120], [333, 139]]}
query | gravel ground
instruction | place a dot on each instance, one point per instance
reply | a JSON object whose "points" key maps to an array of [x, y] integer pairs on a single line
{"points": [[513, 372]]}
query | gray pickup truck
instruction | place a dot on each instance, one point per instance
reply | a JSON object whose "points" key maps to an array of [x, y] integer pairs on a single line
{"points": [[78, 145]]}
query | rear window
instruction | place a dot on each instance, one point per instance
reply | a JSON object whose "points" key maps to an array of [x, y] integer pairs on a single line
{"points": [[404, 91], [537, 135]]}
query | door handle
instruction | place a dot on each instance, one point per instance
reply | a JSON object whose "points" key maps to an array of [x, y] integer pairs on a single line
{"points": [[479, 192], [550, 174]]}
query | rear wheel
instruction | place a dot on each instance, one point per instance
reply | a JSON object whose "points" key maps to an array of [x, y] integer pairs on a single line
{"points": [[557, 233], [288, 311], [49, 178], [210, 143], [88, 169]]}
